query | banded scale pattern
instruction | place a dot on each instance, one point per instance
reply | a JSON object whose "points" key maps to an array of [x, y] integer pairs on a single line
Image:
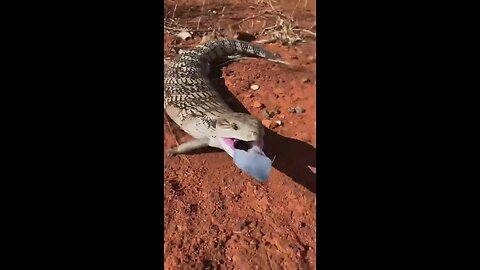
{"points": [[188, 94]]}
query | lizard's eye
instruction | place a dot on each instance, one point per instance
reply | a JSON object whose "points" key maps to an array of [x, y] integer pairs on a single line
{"points": [[234, 126]]}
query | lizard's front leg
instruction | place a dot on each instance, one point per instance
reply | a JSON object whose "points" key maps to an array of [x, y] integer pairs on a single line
{"points": [[188, 146]]}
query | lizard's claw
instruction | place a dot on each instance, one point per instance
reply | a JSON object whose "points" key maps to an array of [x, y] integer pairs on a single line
{"points": [[171, 152]]}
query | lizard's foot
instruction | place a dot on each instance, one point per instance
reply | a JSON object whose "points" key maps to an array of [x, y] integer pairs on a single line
{"points": [[171, 152], [188, 146]]}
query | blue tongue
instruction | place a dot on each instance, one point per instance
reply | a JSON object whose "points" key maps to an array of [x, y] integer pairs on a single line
{"points": [[253, 162]]}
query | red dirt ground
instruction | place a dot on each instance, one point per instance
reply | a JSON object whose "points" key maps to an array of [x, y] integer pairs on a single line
{"points": [[217, 217]]}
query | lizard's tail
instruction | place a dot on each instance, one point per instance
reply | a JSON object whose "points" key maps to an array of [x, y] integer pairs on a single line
{"points": [[219, 49]]}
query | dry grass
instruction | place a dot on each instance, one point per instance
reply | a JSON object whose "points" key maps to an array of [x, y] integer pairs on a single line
{"points": [[278, 27]]}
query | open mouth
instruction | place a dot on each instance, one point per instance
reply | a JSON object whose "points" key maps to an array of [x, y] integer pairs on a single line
{"points": [[233, 144], [249, 157]]}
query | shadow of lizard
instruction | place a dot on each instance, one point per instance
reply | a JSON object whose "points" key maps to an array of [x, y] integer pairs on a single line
{"points": [[292, 157]]}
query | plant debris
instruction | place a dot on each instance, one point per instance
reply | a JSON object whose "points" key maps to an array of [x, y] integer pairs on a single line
{"points": [[265, 113]]}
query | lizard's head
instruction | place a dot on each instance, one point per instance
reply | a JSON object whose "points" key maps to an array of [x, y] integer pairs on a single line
{"points": [[239, 131]]}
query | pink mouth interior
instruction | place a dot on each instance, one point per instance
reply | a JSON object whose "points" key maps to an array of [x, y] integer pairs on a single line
{"points": [[229, 142]]}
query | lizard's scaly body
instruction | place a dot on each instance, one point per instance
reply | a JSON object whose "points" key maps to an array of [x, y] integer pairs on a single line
{"points": [[194, 104]]}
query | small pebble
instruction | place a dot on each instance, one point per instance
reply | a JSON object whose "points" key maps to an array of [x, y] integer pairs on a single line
{"points": [[291, 110], [299, 109], [305, 80], [254, 87], [184, 35], [281, 116], [257, 104], [266, 123], [276, 124]]}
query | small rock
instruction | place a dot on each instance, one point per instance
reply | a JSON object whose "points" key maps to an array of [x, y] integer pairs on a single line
{"points": [[291, 110], [276, 124], [254, 87], [249, 95], [184, 35], [305, 80], [257, 104], [281, 116], [299, 109], [267, 123]]}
